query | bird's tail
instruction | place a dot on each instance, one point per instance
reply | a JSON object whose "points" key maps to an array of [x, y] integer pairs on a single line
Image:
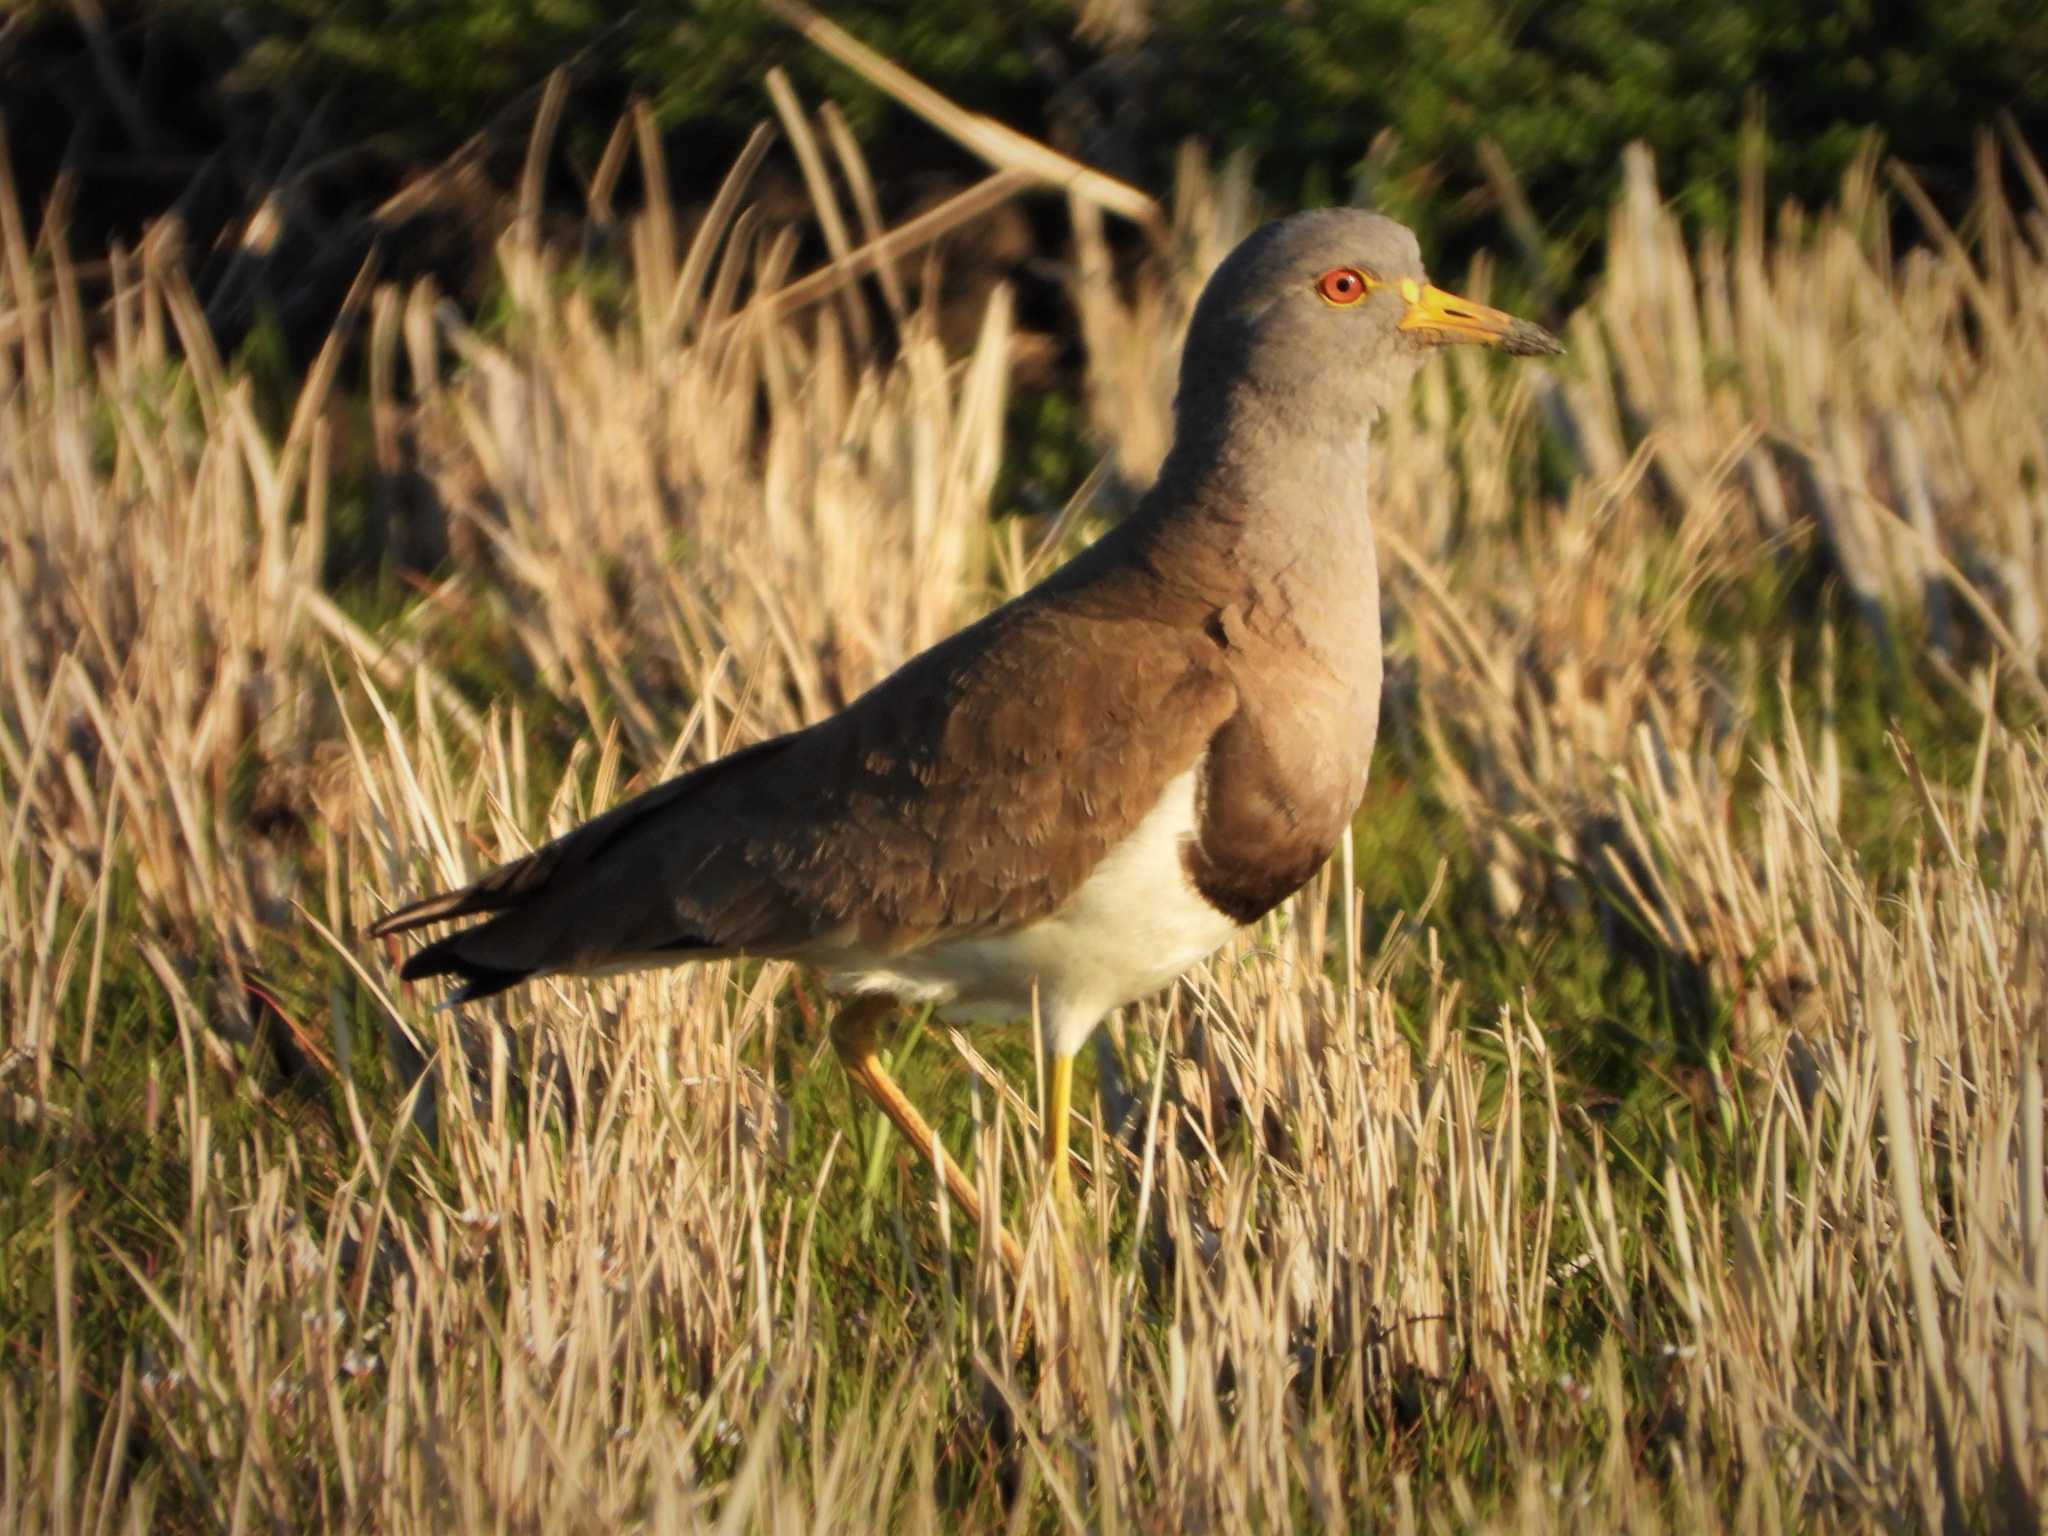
{"points": [[503, 890], [601, 897]]}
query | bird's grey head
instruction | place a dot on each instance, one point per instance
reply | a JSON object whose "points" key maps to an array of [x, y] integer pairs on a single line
{"points": [[1315, 323]]}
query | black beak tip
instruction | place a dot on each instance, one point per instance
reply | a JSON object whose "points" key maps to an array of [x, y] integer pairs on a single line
{"points": [[1526, 340]]}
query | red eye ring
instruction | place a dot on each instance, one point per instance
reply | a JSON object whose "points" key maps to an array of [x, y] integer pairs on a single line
{"points": [[1343, 285]]}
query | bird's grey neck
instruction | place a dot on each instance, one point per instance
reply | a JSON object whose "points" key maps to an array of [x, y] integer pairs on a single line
{"points": [[1271, 498]]}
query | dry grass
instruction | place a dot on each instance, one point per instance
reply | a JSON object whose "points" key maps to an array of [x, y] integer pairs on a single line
{"points": [[1650, 1138]]}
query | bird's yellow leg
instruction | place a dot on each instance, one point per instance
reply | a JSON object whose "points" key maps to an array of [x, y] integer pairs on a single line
{"points": [[1058, 1111], [853, 1036]]}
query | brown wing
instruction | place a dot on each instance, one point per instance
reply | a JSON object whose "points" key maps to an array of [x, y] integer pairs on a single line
{"points": [[974, 789]]}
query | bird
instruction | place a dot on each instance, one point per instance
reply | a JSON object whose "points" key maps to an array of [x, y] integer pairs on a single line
{"points": [[1063, 806]]}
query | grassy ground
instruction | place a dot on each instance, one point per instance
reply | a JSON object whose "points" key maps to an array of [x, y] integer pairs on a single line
{"points": [[1640, 1126]]}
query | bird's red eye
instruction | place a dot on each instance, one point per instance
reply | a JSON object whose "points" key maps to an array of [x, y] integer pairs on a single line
{"points": [[1342, 285]]}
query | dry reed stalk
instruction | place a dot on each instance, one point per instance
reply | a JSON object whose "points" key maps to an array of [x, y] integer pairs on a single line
{"points": [[588, 1258], [1001, 146]]}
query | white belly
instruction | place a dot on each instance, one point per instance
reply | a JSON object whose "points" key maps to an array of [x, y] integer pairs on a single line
{"points": [[1135, 924]]}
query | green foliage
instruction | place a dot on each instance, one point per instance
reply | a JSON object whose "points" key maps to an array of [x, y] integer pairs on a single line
{"points": [[1562, 89], [1383, 100], [422, 76]]}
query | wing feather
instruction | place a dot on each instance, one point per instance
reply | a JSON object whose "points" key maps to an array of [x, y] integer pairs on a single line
{"points": [[976, 788]]}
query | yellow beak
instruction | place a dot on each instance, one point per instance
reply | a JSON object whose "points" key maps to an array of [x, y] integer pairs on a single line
{"points": [[1440, 319]]}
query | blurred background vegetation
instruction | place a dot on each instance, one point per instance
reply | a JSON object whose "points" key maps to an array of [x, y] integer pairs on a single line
{"points": [[1489, 124]]}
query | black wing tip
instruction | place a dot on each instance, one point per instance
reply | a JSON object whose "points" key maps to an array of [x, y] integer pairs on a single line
{"points": [[389, 926], [416, 914], [505, 887], [478, 980]]}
